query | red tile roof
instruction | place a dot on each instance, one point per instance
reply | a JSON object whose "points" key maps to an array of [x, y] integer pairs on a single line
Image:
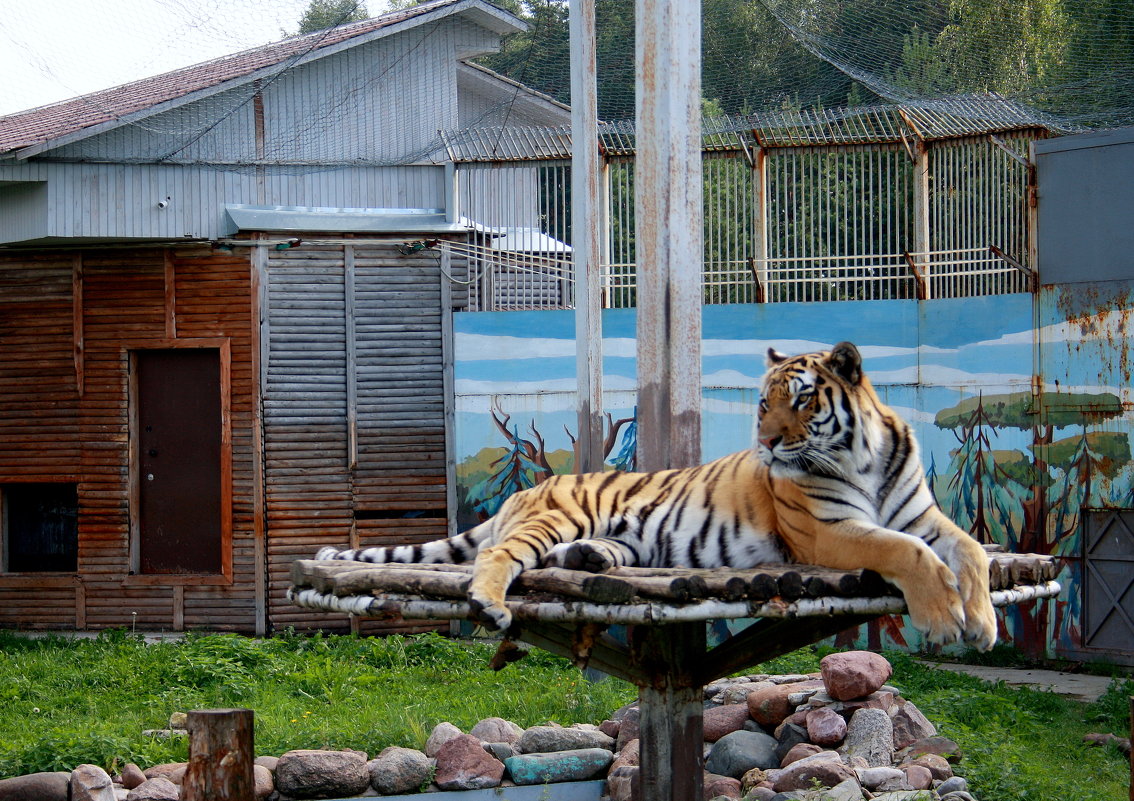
{"points": [[46, 123]]}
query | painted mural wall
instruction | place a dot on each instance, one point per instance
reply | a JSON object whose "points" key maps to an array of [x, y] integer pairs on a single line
{"points": [[1015, 463]]}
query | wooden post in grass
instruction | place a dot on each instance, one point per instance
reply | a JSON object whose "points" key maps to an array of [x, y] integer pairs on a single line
{"points": [[220, 756]]}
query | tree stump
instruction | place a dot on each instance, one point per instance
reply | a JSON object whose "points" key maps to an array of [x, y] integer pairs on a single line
{"points": [[220, 756]]}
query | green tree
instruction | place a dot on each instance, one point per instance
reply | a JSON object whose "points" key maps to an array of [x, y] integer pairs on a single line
{"points": [[323, 14]]}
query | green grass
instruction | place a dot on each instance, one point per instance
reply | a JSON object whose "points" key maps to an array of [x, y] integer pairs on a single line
{"points": [[66, 701]]}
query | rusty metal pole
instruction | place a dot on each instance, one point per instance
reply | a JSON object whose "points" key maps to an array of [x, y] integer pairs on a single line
{"points": [[669, 233], [221, 752], [586, 214]]}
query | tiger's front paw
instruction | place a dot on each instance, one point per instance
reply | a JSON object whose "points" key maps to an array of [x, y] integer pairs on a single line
{"points": [[935, 606], [589, 555], [980, 616], [493, 616]]}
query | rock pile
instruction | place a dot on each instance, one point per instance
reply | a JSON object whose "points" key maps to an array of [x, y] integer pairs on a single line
{"points": [[842, 734]]}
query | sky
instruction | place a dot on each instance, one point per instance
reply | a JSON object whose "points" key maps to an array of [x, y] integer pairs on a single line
{"points": [[52, 50]]}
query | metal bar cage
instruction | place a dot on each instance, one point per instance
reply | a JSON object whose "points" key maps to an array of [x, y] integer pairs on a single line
{"points": [[786, 223]]}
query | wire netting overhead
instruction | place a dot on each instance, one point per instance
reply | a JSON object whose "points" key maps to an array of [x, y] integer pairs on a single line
{"points": [[1072, 61], [1063, 64]]}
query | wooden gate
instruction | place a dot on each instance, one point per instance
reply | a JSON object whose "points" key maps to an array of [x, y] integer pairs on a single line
{"points": [[1108, 579]]}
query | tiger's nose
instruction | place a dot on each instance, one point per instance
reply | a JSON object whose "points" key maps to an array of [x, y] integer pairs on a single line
{"points": [[771, 442]]}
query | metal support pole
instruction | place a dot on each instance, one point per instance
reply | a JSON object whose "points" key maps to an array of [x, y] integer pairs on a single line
{"points": [[586, 239], [669, 232]]}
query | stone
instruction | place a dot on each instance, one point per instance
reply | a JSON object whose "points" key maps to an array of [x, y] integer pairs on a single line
{"points": [[853, 674], [559, 766], [628, 728], [870, 736], [47, 786], [131, 776], [179, 720], [881, 779], [957, 795], [938, 765], [918, 777], [174, 771], [399, 770], [501, 751], [848, 790], [941, 746], [769, 706], [263, 784], [629, 755], [737, 753], [910, 725], [158, 788], [799, 751], [91, 783], [954, 784], [496, 730], [463, 764], [788, 737], [826, 727], [267, 761], [752, 778], [905, 795], [738, 693], [623, 784], [722, 720], [825, 768], [441, 734], [881, 699], [306, 773], [760, 794], [610, 727], [543, 739], [720, 786]]}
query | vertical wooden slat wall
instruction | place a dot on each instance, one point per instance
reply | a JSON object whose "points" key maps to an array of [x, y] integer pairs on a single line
{"points": [[39, 413], [68, 321], [355, 433]]}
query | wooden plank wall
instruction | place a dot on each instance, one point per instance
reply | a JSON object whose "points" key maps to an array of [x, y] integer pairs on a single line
{"points": [[67, 324], [355, 404]]}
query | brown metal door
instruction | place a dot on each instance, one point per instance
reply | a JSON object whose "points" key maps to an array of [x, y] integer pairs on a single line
{"points": [[179, 460]]}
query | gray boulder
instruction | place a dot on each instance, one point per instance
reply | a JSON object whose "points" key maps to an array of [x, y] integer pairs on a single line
{"points": [[322, 774], [544, 739], [52, 786], [399, 770], [91, 783], [737, 753]]}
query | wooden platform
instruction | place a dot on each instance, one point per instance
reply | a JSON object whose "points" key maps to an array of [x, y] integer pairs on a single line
{"points": [[665, 651]]}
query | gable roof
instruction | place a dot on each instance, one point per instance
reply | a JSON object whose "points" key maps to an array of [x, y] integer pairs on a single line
{"points": [[48, 126]]}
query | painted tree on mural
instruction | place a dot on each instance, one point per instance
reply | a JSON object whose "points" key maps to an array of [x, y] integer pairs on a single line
{"points": [[526, 461], [1031, 502]]}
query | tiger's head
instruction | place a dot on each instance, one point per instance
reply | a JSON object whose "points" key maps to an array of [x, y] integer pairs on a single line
{"points": [[808, 410]]}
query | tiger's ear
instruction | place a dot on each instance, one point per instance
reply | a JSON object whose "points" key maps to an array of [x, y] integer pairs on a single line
{"points": [[775, 357], [846, 361]]}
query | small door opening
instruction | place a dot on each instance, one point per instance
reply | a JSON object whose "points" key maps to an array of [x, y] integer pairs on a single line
{"points": [[178, 461]]}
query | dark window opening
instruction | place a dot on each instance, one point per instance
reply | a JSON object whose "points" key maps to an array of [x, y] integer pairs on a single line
{"points": [[41, 527]]}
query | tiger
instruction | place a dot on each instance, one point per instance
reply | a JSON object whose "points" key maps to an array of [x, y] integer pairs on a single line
{"points": [[834, 478]]}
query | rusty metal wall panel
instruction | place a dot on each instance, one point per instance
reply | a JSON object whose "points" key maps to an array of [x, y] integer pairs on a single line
{"points": [[1086, 191]]}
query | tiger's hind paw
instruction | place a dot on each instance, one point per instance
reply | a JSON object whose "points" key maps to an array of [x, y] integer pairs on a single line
{"points": [[330, 553], [494, 617], [980, 626]]}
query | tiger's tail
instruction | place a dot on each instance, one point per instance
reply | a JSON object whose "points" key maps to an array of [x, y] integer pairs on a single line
{"points": [[449, 550]]}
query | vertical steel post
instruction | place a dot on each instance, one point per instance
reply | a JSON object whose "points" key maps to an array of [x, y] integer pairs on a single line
{"points": [[670, 236], [586, 240]]}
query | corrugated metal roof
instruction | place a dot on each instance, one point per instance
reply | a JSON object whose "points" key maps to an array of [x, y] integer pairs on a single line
{"points": [[305, 219], [939, 119], [47, 123]]}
